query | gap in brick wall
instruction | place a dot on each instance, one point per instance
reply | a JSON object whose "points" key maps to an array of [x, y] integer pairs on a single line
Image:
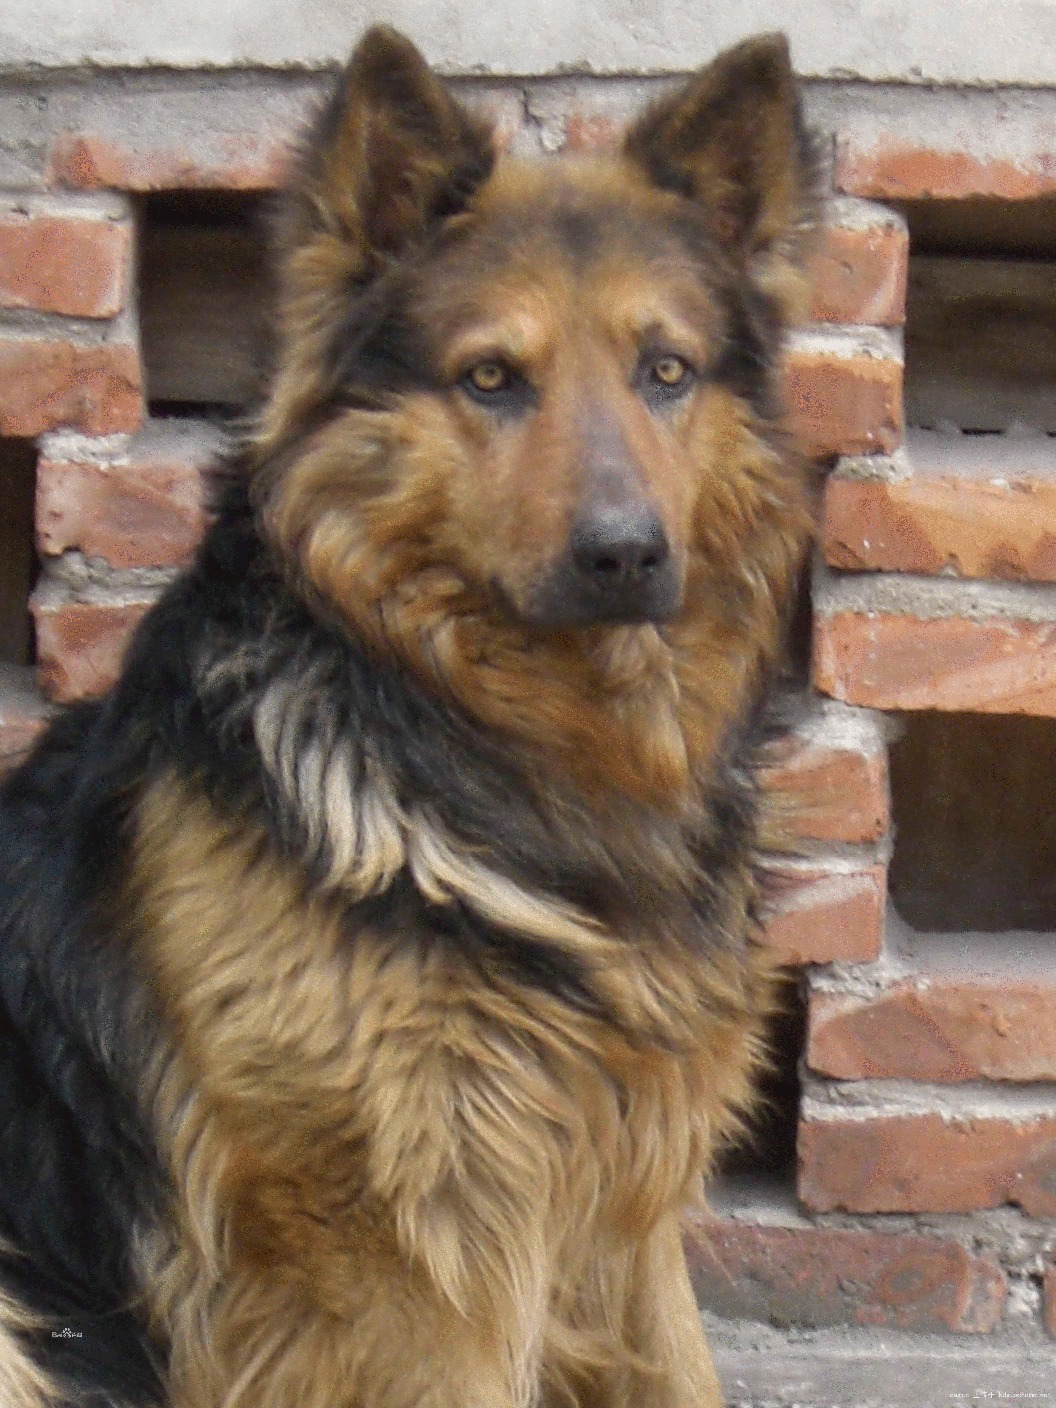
{"points": [[975, 823], [18, 562], [770, 1144], [205, 301], [981, 316]]}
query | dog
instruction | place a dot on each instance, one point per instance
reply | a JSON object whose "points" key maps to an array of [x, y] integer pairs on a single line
{"points": [[380, 965]]}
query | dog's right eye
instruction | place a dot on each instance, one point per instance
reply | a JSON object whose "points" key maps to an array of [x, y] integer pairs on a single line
{"points": [[495, 384], [488, 377]]}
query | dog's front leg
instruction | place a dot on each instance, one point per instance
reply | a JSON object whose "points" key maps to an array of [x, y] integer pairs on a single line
{"points": [[636, 1332], [397, 1344]]}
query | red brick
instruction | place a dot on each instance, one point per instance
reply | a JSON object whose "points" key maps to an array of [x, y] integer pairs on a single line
{"points": [[843, 405], [587, 132], [23, 714], [47, 383], [80, 645], [927, 1162], [241, 162], [898, 170], [813, 1276], [941, 1031], [828, 913], [1049, 1303], [142, 507], [830, 791], [858, 275], [64, 264], [889, 661], [983, 507]]}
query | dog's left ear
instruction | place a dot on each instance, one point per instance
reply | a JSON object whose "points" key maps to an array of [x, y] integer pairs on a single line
{"points": [[733, 140]]}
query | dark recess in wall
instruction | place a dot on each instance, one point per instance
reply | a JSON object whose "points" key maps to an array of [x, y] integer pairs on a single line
{"points": [[205, 300], [18, 563], [974, 806]]}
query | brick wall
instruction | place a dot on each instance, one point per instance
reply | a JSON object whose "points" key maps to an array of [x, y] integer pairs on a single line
{"points": [[918, 1068]]}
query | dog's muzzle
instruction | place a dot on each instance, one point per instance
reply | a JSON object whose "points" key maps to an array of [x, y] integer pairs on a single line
{"points": [[618, 569]]}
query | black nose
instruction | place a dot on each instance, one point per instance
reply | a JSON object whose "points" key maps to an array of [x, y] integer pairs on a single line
{"points": [[618, 567], [619, 548]]}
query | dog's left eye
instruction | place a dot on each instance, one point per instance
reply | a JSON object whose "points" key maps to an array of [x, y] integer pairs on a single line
{"points": [[670, 372], [663, 377]]}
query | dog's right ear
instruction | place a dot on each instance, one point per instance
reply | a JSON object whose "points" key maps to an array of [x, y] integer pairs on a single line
{"points": [[390, 153]]}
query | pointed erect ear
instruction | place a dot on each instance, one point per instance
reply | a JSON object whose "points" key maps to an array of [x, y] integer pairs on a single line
{"points": [[732, 139], [390, 154]]}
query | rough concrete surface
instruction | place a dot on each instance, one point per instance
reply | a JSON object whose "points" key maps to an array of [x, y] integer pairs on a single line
{"points": [[764, 1368], [875, 39]]}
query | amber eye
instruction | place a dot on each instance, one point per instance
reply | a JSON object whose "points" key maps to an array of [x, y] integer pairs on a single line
{"points": [[670, 370], [488, 377]]}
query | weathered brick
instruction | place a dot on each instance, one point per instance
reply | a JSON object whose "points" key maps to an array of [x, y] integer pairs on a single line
{"points": [[858, 274], [896, 169], [80, 644], [1049, 1300], [592, 131], [828, 778], [71, 264], [813, 1276], [828, 912], [936, 1031], [48, 382], [843, 404], [139, 503], [927, 1162], [243, 161], [971, 505], [23, 713], [582, 115], [891, 661]]}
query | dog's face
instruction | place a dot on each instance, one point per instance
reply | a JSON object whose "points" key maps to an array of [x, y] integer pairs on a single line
{"points": [[535, 390]]}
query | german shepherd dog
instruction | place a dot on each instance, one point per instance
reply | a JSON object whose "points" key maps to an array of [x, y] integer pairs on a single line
{"points": [[380, 967]]}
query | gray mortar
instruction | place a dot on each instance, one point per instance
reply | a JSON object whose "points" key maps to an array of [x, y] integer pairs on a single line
{"points": [[930, 598], [52, 327], [828, 724], [823, 1100], [548, 103], [881, 344], [106, 207], [159, 439], [76, 578], [851, 213], [207, 114], [898, 465]]}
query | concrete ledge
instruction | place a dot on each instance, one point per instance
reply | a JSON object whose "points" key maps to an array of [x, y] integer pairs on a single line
{"points": [[764, 1368], [900, 41]]}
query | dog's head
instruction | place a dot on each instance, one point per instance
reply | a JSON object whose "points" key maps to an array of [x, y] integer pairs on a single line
{"points": [[542, 392]]}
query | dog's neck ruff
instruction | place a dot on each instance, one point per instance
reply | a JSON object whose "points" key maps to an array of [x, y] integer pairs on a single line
{"points": [[361, 836]]}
